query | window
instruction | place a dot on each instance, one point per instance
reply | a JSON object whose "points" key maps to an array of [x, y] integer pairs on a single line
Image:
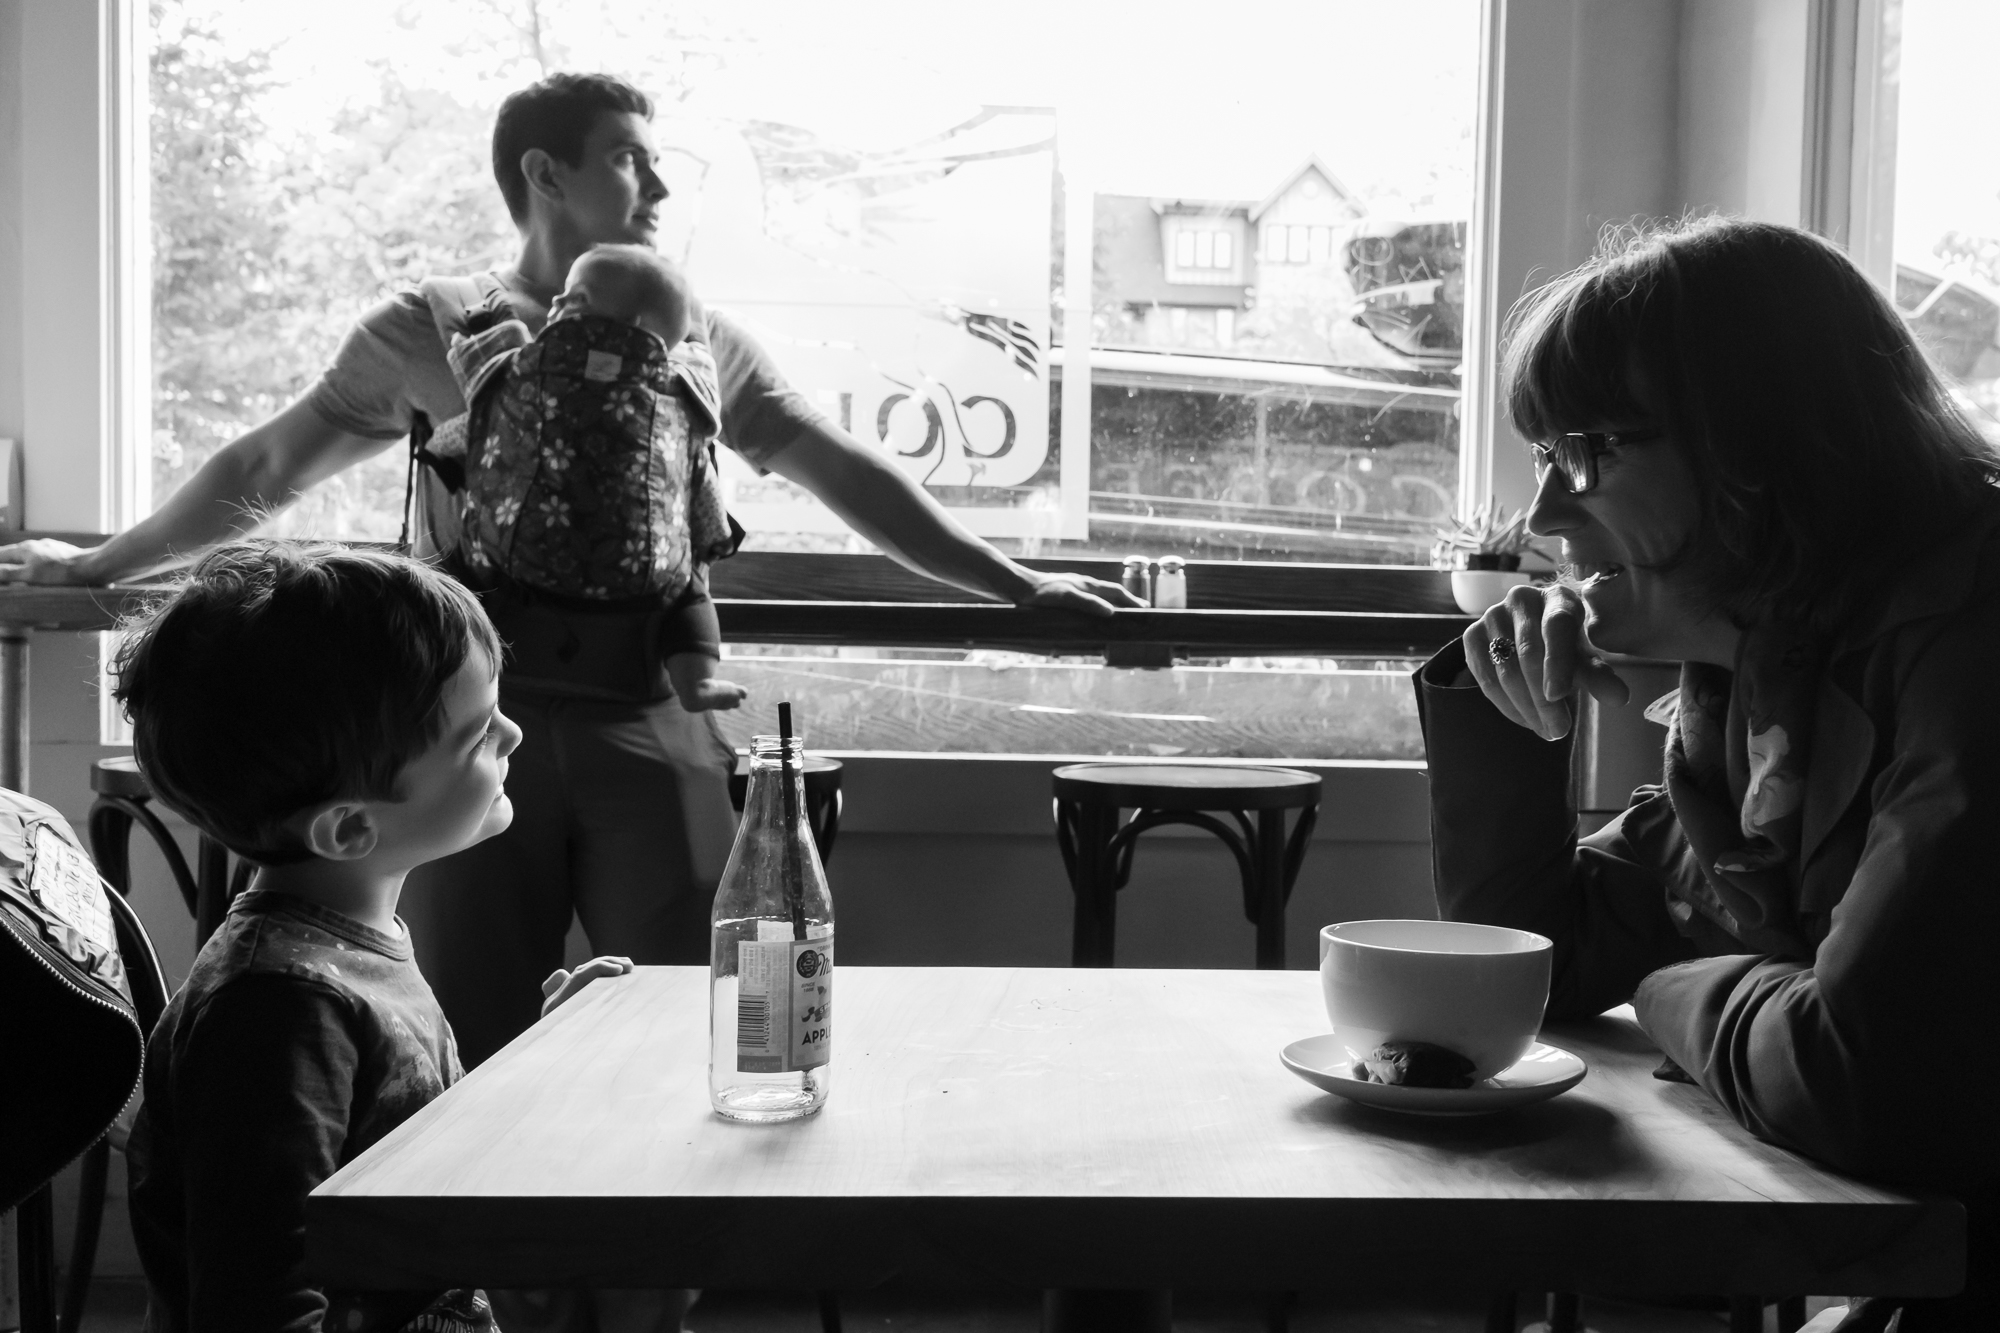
{"points": [[1947, 211], [309, 161]]}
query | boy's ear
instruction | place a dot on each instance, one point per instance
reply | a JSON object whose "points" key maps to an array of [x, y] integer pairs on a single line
{"points": [[339, 830]]}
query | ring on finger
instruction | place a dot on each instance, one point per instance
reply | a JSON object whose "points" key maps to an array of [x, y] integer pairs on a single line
{"points": [[1501, 650]]}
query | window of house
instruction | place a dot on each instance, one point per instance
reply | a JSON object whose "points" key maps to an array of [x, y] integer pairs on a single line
{"points": [[309, 161], [1947, 209]]}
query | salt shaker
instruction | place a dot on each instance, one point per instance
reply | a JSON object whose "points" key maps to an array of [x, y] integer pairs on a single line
{"points": [[1170, 584], [1138, 577]]}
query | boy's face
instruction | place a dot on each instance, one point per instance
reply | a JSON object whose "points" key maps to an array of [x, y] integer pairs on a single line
{"points": [[452, 795]]}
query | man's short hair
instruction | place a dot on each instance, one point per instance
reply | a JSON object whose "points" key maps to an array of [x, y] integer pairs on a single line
{"points": [[279, 675], [556, 116]]}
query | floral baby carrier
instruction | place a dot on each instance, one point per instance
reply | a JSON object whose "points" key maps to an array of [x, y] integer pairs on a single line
{"points": [[577, 492]]}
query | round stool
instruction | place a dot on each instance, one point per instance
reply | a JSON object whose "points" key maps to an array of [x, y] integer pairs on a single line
{"points": [[123, 797], [823, 799], [1097, 840]]}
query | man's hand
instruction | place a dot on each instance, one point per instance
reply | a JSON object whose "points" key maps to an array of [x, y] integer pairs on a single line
{"points": [[1544, 661], [44, 560], [563, 984], [1077, 592]]}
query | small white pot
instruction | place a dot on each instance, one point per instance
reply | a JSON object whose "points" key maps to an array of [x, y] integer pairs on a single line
{"points": [[1477, 589]]}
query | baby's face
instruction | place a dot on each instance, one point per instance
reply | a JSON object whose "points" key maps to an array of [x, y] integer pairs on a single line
{"points": [[610, 291]]}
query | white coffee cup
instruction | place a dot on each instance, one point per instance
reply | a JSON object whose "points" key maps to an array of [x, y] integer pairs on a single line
{"points": [[1477, 990]]}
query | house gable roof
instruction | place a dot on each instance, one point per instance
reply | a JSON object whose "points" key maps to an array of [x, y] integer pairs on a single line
{"points": [[1312, 166]]}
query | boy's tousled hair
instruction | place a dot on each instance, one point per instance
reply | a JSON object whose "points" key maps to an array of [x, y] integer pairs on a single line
{"points": [[556, 116], [1824, 447], [278, 675]]}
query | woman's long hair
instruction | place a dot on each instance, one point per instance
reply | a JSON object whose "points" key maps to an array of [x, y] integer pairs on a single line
{"points": [[1825, 447]]}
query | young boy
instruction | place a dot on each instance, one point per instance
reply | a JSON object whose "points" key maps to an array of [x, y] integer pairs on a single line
{"points": [[628, 285], [333, 716]]}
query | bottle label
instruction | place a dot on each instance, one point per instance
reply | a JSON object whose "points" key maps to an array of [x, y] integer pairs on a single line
{"points": [[784, 1004]]}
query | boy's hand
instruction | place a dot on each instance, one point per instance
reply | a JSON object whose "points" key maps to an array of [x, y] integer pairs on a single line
{"points": [[563, 984]]}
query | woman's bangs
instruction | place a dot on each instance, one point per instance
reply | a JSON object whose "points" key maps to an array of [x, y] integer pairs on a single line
{"points": [[1572, 363]]}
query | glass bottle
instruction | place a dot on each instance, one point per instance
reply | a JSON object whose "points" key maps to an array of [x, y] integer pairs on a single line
{"points": [[771, 952]]}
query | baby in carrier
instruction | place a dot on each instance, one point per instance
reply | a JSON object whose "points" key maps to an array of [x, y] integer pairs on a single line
{"points": [[590, 480]]}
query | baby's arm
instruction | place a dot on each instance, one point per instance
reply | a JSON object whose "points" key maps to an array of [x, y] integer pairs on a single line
{"points": [[692, 639]]}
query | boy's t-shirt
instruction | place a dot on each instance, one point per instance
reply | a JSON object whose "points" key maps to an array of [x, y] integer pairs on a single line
{"points": [[392, 364], [301, 1038]]}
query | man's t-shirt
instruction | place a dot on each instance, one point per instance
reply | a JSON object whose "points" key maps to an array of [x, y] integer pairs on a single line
{"points": [[301, 1038], [392, 364]]}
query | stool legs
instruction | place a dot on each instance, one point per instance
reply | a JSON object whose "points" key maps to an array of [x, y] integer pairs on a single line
{"points": [[1084, 832], [1097, 852], [1272, 889]]}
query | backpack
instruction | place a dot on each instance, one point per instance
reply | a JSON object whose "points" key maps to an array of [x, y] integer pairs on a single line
{"points": [[578, 492], [71, 1045]]}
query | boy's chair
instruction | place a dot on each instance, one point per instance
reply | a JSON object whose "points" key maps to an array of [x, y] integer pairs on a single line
{"points": [[59, 914]]}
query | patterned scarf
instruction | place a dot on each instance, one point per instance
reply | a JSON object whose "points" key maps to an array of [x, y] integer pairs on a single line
{"points": [[1737, 753]]}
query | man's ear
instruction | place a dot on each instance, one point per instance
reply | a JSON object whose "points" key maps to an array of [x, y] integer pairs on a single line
{"points": [[538, 167], [339, 830]]}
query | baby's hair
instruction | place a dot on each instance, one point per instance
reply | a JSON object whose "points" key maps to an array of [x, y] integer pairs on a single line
{"points": [[279, 675], [647, 280]]}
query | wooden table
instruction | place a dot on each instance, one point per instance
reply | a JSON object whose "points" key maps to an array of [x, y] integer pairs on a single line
{"points": [[1090, 1128]]}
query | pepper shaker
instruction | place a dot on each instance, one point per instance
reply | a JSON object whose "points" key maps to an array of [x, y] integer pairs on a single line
{"points": [[1138, 578], [1170, 584]]}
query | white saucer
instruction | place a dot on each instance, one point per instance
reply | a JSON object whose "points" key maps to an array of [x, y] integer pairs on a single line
{"points": [[1543, 1072]]}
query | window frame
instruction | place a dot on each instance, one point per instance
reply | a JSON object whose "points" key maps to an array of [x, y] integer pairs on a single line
{"points": [[102, 47]]}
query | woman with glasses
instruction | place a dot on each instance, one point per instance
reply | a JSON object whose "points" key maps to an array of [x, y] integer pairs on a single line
{"points": [[1754, 472]]}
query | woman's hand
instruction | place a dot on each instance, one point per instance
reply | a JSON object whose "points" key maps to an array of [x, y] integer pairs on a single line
{"points": [[1542, 659], [563, 984]]}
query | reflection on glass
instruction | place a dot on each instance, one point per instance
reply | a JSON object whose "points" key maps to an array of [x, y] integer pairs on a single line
{"points": [[1947, 227]]}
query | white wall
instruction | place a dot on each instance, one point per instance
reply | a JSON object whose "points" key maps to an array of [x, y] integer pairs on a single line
{"points": [[1583, 127], [1743, 106]]}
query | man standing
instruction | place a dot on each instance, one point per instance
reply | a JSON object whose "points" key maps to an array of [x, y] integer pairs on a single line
{"points": [[622, 811]]}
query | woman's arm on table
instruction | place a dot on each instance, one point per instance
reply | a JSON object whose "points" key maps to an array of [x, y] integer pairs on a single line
{"points": [[1504, 849], [1878, 1055], [262, 470]]}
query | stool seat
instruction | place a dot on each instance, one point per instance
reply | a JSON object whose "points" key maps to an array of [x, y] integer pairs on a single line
{"points": [[119, 775], [821, 774], [823, 797], [1097, 840], [1188, 786]]}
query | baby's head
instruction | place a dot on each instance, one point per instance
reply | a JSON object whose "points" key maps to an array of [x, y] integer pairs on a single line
{"points": [[631, 284], [281, 677]]}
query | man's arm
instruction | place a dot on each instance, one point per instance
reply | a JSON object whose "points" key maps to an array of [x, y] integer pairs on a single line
{"points": [[879, 502], [262, 470], [769, 423]]}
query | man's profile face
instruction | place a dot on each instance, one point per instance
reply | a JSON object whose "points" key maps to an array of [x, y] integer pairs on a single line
{"points": [[612, 195]]}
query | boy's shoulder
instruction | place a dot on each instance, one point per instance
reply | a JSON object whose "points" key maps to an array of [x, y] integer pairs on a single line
{"points": [[272, 943]]}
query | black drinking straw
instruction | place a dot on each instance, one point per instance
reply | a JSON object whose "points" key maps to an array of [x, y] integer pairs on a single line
{"points": [[795, 883]]}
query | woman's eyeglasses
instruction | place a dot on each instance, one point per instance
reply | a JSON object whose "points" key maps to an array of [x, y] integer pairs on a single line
{"points": [[1575, 454]]}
